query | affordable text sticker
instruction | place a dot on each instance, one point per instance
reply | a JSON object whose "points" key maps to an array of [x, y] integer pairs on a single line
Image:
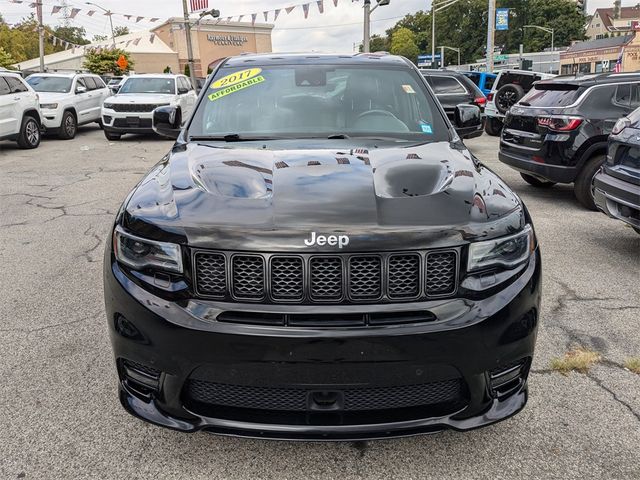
{"points": [[237, 77], [236, 87]]}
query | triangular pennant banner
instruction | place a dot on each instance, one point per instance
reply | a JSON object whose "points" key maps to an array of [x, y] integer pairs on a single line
{"points": [[335, 3], [266, 16], [276, 13], [253, 18], [290, 9], [74, 12], [136, 41], [305, 8], [138, 19], [90, 13], [152, 37], [55, 9], [320, 6]]}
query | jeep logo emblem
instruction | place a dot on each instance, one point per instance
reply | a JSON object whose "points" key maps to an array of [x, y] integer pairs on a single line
{"points": [[332, 240]]}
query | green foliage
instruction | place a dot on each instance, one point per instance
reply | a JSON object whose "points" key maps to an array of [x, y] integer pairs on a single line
{"points": [[104, 62], [167, 69], [187, 70], [21, 40], [76, 35], [119, 31], [99, 38], [378, 43], [464, 25], [403, 42], [6, 60]]}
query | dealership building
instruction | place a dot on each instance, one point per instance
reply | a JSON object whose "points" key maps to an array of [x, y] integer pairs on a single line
{"points": [[597, 56], [166, 46]]}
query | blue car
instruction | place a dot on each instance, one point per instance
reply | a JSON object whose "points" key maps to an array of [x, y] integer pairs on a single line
{"points": [[483, 80]]}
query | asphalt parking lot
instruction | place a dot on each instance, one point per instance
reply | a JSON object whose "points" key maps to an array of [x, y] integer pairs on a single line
{"points": [[61, 417]]}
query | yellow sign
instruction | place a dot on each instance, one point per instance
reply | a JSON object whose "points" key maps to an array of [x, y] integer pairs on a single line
{"points": [[236, 87], [236, 78]]}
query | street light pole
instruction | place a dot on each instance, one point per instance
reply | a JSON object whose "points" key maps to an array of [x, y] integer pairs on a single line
{"points": [[548, 30], [437, 7], [109, 13], [491, 21], [367, 27], [457, 50], [366, 42]]}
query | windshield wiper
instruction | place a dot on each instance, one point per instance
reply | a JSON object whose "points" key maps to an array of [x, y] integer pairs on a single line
{"points": [[232, 137]]}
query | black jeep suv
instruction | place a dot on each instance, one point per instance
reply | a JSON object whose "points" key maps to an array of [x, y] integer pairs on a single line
{"points": [[320, 257], [617, 185], [558, 132]]}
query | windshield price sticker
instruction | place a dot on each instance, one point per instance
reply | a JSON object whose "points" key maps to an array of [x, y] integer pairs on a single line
{"points": [[236, 78], [408, 89], [236, 87]]}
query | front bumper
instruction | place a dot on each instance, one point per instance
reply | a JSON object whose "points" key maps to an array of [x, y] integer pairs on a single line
{"points": [[476, 341], [127, 122], [617, 198], [51, 120]]}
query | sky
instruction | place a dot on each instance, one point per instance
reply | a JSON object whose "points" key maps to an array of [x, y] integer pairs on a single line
{"points": [[337, 30]]}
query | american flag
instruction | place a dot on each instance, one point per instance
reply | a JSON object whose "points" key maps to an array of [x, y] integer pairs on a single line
{"points": [[197, 5], [618, 67]]}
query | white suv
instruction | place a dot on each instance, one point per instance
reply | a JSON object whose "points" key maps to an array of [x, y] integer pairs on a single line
{"points": [[131, 109], [68, 100], [509, 87], [20, 118]]}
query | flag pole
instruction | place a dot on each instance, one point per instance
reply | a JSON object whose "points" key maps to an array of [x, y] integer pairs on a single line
{"points": [[187, 29]]}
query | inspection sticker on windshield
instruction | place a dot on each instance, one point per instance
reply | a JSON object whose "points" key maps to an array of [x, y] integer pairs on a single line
{"points": [[237, 77], [236, 87], [408, 89], [426, 128]]}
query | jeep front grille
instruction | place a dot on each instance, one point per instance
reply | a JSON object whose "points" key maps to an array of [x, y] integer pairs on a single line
{"points": [[337, 279]]}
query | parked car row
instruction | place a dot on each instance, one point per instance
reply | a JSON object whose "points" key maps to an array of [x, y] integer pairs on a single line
{"points": [[581, 131], [58, 103]]}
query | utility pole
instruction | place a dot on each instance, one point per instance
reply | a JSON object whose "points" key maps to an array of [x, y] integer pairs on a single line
{"points": [[441, 57], [40, 34], [187, 29], [491, 20], [433, 33], [367, 27]]}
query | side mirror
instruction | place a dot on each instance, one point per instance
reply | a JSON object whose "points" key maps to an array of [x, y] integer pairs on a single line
{"points": [[115, 88], [167, 121], [80, 89], [468, 120], [182, 90]]}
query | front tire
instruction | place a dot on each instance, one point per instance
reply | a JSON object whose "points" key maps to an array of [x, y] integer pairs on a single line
{"points": [[69, 126], [29, 133], [536, 182], [583, 187], [493, 127], [112, 136]]}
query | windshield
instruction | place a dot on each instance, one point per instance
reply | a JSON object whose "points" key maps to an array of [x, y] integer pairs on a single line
{"points": [[556, 96], [319, 101], [149, 85], [50, 84]]}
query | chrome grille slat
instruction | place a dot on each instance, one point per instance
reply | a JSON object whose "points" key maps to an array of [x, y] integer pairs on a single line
{"points": [[393, 277]]}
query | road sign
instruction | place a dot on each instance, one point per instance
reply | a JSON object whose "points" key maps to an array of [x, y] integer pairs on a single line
{"points": [[122, 62]]}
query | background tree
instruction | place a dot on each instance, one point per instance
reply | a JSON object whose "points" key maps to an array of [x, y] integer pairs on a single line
{"points": [[464, 25], [119, 31], [6, 60], [76, 35], [104, 62], [378, 43], [403, 42], [99, 38]]}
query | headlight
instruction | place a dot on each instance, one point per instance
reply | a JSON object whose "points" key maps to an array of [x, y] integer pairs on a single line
{"points": [[620, 125], [108, 105], [505, 252], [49, 106], [140, 253]]}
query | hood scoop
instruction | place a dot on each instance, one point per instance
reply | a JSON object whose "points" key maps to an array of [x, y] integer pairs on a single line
{"points": [[412, 178]]}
